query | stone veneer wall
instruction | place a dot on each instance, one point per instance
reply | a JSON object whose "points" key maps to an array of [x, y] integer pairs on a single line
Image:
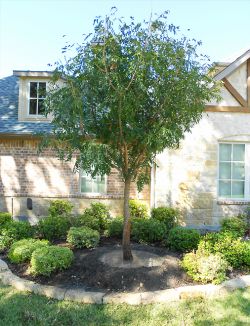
{"points": [[187, 177], [24, 173]]}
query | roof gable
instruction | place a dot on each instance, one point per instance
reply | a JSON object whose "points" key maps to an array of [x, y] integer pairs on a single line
{"points": [[233, 66]]}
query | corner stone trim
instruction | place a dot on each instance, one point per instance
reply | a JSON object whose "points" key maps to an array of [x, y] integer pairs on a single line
{"points": [[82, 296]]}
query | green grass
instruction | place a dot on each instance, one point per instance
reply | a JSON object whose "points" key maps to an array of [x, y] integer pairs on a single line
{"points": [[18, 308]]}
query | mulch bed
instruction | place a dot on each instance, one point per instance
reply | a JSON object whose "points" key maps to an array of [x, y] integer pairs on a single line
{"points": [[88, 272]]}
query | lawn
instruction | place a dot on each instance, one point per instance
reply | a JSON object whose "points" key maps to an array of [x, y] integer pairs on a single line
{"points": [[18, 308]]}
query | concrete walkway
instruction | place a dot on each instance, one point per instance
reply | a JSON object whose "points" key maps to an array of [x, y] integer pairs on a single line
{"points": [[184, 292]]}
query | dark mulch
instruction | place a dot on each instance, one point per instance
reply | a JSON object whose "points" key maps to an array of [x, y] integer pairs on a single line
{"points": [[89, 272]]}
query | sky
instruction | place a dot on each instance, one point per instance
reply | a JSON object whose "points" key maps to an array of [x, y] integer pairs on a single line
{"points": [[31, 31]]}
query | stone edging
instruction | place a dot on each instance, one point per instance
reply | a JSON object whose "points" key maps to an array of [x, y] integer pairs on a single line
{"points": [[78, 295]]}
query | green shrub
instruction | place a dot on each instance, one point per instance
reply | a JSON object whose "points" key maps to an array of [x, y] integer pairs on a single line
{"points": [[83, 237], [205, 268], [234, 250], [60, 208], [235, 225], [22, 250], [167, 215], [47, 260], [148, 230], [97, 212], [138, 209], [14, 231], [4, 219], [207, 242], [53, 227], [183, 239], [115, 227], [89, 221]]}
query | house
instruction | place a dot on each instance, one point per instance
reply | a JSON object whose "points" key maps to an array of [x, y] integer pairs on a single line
{"points": [[28, 180], [208, 177]]}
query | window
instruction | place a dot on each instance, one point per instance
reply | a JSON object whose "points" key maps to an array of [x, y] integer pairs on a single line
{"points": [[37, 94], [232, 171], [96, 185]]}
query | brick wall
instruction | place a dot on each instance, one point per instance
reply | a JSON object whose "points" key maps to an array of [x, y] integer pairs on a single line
{"points": [[25, 173]]}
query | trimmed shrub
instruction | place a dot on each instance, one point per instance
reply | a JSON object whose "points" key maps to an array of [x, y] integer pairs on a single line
{"points": [[60, 208], [89, 221], [183, 239], [137, 209], [205, 268], [234, 225], [53, 227], [234, 250], [14, 231], [22, 250], [97, 212], [4, 219], [167, 215], [47, 260], [83, 237], [115, 227], [148, 230]]}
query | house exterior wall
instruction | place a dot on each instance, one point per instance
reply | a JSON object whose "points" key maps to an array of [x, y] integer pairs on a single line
{"points": [[25, 174], [187, 177]]}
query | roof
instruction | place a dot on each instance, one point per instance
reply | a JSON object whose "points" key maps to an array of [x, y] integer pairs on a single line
{"points": [[32, 73], [232, 66], [9, 124]]}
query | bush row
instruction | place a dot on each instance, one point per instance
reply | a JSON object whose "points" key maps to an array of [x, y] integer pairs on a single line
{"points": [[219, 252]]}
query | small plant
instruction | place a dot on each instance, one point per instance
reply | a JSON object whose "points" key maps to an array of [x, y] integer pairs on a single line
{"points": [[47, 260], [167, 215], [53, 227], [115, 227], [22, 250], [182, 239], [138, 209], [83, 237], [205, 268], [14, 231], [4, 219], [235, 225], [99, 214], [148, 230], [60, 208]]}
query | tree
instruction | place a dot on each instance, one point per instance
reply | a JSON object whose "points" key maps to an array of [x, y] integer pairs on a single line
{"points": [[131, 90]]}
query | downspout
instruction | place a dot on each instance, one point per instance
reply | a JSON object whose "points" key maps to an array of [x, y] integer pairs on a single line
{"points": [[152, 187]]}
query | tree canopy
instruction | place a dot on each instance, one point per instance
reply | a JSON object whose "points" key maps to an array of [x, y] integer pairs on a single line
{"points": [[132, 90]]}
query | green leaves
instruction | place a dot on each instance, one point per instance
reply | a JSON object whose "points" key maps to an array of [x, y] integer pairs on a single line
{"points": [[132, 90]]}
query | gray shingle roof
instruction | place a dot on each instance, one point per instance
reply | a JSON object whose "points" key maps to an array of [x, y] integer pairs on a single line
{"points": [[9, 123]]}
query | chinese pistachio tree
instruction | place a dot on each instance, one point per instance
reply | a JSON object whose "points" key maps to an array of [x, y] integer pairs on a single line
{"points": [[130, 91]]}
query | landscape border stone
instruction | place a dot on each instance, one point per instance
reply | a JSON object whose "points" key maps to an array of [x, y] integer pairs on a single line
{"points": [[131, 298]]}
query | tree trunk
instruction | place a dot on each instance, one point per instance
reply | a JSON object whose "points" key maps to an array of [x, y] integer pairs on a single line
{"points": [[127, 254]]}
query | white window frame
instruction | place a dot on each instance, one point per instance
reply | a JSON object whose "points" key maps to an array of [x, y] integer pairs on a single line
{"points": [[31, 98], [247, 172], [82, 174]]}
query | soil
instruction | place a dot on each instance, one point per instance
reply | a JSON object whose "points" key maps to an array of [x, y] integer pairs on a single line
{"points": [[88, 272]]}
